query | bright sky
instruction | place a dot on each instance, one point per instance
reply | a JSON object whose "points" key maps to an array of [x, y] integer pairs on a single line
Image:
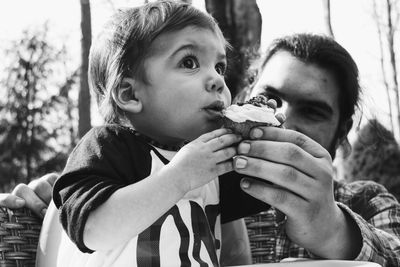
{"points": [[351, 22]]}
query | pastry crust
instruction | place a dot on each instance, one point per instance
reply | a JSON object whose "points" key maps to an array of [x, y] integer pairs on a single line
{"points": [[248, 117], [243, 128]]}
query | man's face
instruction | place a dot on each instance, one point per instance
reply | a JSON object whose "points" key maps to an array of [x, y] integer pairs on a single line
{"points": [[309, 97], [186, 90]]}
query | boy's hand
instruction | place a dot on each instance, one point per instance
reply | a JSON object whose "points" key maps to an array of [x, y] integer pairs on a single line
{"points": [[205, 158]]}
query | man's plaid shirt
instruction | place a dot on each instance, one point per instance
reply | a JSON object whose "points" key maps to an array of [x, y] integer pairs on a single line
{"points": [[376, 212]]}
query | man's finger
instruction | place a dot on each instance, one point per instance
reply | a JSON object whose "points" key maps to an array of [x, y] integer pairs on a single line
{"points": [[290, 136], [43, 187], [277, 197], [11, 201], [287, 154], [280, 117], [50, 178], [33, 202], [272, 103], [284, 176]]}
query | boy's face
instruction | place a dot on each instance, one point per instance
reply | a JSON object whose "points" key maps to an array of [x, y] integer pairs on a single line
{"points": [[310, 97], [186, 90]]}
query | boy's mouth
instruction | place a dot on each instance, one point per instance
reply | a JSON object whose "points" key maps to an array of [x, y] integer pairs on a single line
{"points": [[216, 108]]}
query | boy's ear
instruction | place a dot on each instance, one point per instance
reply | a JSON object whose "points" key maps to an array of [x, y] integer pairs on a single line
{"points": [[126, 96]]}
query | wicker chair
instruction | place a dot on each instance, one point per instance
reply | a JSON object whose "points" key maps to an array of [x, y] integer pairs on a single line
{"points": [[258, 228], [19, 236], [20, 230]]}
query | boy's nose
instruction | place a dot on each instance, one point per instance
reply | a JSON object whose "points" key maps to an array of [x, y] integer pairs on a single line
{"points": [[215, 83]]}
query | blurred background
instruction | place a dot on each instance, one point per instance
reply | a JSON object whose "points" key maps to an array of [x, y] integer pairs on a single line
{"points": [[45, 105]]}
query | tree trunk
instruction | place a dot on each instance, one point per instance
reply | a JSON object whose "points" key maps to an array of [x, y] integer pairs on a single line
{"points": [[84, 95], [392, 55], [64, 92], [382, 62], [327, 16], [240, 22], [29, 121]]}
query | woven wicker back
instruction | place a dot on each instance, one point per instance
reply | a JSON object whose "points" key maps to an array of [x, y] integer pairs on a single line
{"points": [[19, 235], [259, 229]]}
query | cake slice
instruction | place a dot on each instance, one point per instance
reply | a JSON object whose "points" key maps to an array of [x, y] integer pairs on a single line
{"points": [[242, 117]]}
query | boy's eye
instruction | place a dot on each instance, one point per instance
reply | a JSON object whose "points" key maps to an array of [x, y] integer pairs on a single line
{"points": [[220, 68], [190, 63]]}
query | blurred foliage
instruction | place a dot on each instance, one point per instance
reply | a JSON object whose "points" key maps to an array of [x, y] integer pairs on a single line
{"points": [[240, 22], [376, 157], [36, 111]]}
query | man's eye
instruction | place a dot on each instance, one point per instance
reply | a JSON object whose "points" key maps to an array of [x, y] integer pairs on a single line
{"points": [[220, 68], [314, 114], [189, 63]]}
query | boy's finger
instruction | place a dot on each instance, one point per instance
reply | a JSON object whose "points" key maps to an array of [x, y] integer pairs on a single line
{"points": [[224, 141], [225, 154], [214, 134], [11, 201], [224, 167]]}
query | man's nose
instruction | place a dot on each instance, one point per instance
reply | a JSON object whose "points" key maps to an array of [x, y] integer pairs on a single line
{"points": [[289, 124]]}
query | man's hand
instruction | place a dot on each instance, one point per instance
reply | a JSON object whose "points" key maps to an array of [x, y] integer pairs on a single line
{"points": [[36, 196], [301, 174]]}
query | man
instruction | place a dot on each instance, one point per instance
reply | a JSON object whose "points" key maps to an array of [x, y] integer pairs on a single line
{"points": [[315, 84], [36, 195]]}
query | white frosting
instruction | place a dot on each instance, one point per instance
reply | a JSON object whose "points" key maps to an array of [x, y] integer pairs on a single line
{"points": [[251, 113]]}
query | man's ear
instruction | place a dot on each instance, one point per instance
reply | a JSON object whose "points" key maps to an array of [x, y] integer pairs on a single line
{"points": [[126, 96], [342, 139]]}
